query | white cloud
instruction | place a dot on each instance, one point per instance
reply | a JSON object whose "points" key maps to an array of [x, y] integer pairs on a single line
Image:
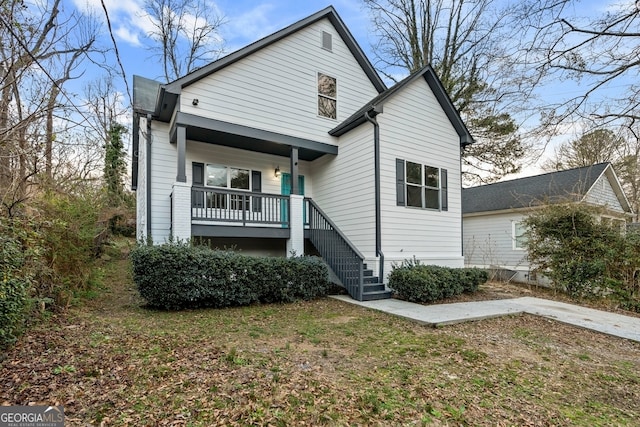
{"points": [[125, 34], [128, 17], [250, 26]]}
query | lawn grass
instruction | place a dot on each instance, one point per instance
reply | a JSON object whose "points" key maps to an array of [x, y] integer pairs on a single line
{"points": [[110, 361]]}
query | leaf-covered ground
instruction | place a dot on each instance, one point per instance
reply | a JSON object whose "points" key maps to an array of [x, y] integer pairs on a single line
{"points": [[110, 361]]}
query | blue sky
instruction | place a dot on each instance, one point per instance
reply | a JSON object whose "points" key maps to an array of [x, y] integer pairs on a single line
{"points": [[246, 22]]}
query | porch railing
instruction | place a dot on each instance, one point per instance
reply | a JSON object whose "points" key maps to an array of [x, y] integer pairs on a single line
{"points": [[239, 207], [342, 256]]}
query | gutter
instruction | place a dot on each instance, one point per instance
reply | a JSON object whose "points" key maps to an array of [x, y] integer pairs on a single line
{"points": [[376, 155]]}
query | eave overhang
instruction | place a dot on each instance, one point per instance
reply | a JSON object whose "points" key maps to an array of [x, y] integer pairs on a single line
{"points": [[247, 138]]}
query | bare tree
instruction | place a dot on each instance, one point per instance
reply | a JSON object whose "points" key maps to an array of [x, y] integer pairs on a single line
{"points": [[105, 105], [465, 42], [41, 49], [599, 53], [185, 34]]}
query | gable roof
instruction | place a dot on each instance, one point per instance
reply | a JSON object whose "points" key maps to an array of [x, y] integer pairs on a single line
{"points": [[375, 105], [328, 12], [570, 185]]}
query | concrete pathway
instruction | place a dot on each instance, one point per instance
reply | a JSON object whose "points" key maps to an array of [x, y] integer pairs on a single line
{"points": [[446, 314]]}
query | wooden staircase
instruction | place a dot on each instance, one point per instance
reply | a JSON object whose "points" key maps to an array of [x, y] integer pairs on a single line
{"points": [[344, 259]]}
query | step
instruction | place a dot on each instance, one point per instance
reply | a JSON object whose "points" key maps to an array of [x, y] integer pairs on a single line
{"points": [[369, 280], [376, 295], [373, 287], [367, 273]]}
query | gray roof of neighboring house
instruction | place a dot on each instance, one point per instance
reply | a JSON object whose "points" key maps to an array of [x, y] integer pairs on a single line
{"points": [[374, 106], [552, 187]]}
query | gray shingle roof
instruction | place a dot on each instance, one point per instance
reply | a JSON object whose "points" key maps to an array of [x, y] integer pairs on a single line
{"points": [[553, 187]]}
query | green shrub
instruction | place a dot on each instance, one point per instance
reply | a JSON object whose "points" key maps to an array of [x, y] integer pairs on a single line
{"points": [[67, 226], [427, 283], [472, 278], [178, 275], [583, 256], [14, 289]]}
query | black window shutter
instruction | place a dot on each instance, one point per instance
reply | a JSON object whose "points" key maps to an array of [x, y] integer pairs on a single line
{"points": [[444, 192], [256, 186], [400, 190], [197, 179]]}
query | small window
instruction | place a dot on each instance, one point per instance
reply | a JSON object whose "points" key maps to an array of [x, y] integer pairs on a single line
{"points": [[327, 96], [327, 42], [519, 235]]}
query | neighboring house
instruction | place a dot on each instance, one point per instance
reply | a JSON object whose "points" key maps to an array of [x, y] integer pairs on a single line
{"points": [[494, 236], [294, 144]]}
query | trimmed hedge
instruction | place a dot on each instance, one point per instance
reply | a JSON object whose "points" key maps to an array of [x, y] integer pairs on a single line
{"points": [[427, 283], [177, 275]]}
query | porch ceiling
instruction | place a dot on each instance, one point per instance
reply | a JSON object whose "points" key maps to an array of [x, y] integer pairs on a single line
{"points": [[246, 138]]}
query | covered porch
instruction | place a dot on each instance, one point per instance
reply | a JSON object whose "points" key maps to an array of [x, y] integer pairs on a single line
{"points": [[200, 209]]}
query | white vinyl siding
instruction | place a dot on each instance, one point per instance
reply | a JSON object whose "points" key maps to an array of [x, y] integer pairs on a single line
{"points": [[275, 89], [141, 191], [163, 175], [489, 241], [344, 188], [602, 193], [414, 127]]}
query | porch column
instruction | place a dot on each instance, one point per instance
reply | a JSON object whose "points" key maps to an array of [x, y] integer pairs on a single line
{"points": [[181, 211], [296, 224], [181, 139], [294, 170]]}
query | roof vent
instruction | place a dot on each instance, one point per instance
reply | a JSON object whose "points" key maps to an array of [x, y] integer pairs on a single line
{"points": [[326, 41]]}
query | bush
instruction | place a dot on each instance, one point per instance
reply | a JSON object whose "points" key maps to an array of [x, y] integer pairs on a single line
{"points": [[67, 230], [427, 283], [14, 290], [178, 275], [583, 256], [472, 278]]}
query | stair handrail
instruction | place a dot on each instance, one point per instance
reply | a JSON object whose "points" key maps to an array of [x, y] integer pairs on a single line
{"points": [[335, 228], [348, 267]]}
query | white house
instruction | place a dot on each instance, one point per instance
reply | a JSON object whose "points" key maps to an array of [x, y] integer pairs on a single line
{"points": [[295, 144], [492, 214]]}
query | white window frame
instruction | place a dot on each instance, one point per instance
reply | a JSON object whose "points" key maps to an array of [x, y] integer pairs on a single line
{"points": [[320, 95], [228, 169], [423, 186], [515, 238]]}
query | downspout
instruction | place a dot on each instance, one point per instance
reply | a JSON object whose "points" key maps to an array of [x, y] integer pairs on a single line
{"points": [[462, 147], [148, 177], [376, 156]]}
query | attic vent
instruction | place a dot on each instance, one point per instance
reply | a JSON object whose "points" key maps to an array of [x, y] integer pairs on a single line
{"points": [[326, 41]]}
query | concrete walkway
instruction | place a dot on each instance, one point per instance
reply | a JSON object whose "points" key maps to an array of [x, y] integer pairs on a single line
{"points": [[446, 314]]}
